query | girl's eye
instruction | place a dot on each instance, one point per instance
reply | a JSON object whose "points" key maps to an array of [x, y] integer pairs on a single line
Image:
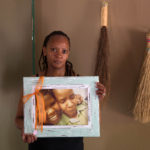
{"points": [[51, 104], [53, 49], [62, 101], [64, 51], [72, 96]]}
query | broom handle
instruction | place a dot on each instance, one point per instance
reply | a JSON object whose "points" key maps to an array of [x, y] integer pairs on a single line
{"points": [[33, 38], [148, 41], [104, 14]]}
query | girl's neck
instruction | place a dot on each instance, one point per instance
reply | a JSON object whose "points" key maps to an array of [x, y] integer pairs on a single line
{"points": [[55, 72]]}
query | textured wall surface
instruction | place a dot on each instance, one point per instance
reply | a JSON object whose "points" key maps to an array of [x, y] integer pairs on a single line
{"points": [[80, 19], [15, 62]]}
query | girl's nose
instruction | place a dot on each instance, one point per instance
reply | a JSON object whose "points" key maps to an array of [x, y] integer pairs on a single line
{"points": [[70, 103], [59, 54], [50, 111]]}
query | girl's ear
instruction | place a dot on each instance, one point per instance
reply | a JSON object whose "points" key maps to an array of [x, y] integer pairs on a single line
{"points": [[44, 51]]}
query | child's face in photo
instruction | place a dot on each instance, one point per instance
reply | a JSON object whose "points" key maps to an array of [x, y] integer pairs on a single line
{"points": [[53, 112], [66, 100]]}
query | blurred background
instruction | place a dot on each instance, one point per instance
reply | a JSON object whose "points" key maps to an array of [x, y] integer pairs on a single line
{"points": [[127, 26]]}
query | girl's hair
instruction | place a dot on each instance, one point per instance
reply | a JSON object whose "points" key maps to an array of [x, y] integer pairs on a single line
{"points": [[43, 59]]}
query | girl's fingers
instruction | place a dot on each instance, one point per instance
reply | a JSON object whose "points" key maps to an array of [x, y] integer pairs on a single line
{"points": [[29, 138], [99, 84], [34, 138], [24, 138], [101, 87], [100, 94], [101, 91]]}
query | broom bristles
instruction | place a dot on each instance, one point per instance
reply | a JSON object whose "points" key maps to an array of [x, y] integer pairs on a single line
{"points": [[142, 106], [102, 67]]}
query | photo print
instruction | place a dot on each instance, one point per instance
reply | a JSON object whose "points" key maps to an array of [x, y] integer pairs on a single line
{"points": [[66, 106]]}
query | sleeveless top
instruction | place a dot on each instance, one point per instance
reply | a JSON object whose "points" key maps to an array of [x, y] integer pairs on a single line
{"points": [[57, 143]]}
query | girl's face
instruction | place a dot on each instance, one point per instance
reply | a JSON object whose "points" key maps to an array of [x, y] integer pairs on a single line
{"points": [[67, 101], [53, 111], [57, 51]]}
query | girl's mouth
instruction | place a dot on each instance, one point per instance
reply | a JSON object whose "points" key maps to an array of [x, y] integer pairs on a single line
{"points": [[53, 118], [57, 61]]}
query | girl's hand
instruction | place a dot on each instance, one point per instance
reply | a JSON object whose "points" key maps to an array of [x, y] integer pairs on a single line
{"points": [[28, 138], [101, 91]]}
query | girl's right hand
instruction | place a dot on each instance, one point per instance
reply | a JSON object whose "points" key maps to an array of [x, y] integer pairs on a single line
{"points": [[28, 138]]}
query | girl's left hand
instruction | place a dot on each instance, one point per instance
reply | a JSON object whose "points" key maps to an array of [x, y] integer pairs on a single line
{"points": [[101, 90]]}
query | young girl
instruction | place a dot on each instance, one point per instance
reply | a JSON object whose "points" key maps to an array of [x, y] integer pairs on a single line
{"points": [[54, 62]]}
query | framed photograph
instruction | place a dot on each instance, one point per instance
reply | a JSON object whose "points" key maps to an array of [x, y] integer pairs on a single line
{"points": [[71, 107]]}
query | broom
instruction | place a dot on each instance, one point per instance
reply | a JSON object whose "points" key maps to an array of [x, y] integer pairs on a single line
{"points": [[102, 68], [141, 110]]}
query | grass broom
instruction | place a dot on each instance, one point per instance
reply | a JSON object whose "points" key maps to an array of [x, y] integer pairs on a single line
{"points": [[141, 109], [102, 68]]}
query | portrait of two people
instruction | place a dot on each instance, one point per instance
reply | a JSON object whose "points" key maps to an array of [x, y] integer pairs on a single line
{"points": [[65, 107]]}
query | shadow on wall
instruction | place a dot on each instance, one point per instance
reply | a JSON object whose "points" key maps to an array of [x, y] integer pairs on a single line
{"points": [[124, 78]]}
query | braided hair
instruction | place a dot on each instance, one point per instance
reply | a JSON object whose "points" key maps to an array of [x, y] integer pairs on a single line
{"points": [[43, 59]]}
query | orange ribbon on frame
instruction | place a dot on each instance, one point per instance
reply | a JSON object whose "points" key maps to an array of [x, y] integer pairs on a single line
{"points": [[40, 115]]}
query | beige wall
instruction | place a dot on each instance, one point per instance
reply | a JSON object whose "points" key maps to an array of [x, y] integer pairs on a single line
{"points": [[128, 23], [15, 61]]}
